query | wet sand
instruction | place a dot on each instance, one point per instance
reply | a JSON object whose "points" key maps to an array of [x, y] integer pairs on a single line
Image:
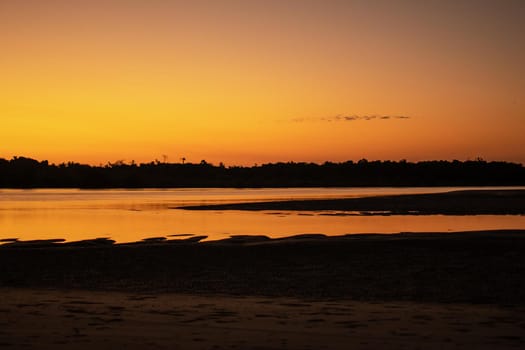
{"points": [[470, 202], [406, 291], [76, 319]]}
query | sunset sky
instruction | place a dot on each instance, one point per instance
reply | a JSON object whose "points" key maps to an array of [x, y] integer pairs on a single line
{"points": [[244, 82]]}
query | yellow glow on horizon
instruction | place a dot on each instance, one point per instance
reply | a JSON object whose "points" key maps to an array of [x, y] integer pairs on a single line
{"points": [[227, 81]]}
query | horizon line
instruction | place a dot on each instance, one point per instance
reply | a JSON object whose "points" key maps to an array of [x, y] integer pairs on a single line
{"points": [[124, 162]]}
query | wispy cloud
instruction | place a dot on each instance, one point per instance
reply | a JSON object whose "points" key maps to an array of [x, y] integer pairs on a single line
{"points": [[350, 118]]}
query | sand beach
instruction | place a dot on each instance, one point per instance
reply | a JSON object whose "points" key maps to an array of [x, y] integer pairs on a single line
{"points": [[411, 290]]}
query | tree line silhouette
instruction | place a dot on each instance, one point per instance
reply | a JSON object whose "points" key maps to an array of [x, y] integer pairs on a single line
{"points": [[22, 172]]}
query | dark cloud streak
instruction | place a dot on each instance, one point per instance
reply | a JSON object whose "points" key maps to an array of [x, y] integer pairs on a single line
{"points": [[351, 118]]}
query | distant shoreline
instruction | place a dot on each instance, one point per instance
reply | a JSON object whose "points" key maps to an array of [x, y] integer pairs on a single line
{"points": [[23, 173]]}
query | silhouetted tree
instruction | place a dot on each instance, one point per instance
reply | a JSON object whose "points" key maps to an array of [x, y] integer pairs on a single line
{"points": [[22, 172]]}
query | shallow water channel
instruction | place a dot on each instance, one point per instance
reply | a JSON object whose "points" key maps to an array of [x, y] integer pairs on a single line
{"points": [[132, 215]]}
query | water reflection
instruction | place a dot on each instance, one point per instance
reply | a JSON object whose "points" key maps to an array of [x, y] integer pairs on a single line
{"points": [[131, 215]]}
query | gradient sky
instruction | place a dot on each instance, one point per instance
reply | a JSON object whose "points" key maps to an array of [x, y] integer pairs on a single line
{"points": [[244, 82]]}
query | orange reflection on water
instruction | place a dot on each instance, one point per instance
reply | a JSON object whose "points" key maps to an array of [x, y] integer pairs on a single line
{"points": [[133, 215]]}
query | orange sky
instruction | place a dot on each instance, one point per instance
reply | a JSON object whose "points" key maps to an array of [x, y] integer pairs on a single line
{"points": [[247, 82]]}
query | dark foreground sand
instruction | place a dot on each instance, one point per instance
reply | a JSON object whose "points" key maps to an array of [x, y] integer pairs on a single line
{"points": [[405, 291], [79, 319]]}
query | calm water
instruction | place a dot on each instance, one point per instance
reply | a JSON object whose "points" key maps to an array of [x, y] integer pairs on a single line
{"points": [[131, 215]]}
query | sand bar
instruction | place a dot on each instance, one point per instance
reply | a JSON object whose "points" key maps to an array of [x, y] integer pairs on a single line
{"points": [[472, 267], [469, 202]]}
